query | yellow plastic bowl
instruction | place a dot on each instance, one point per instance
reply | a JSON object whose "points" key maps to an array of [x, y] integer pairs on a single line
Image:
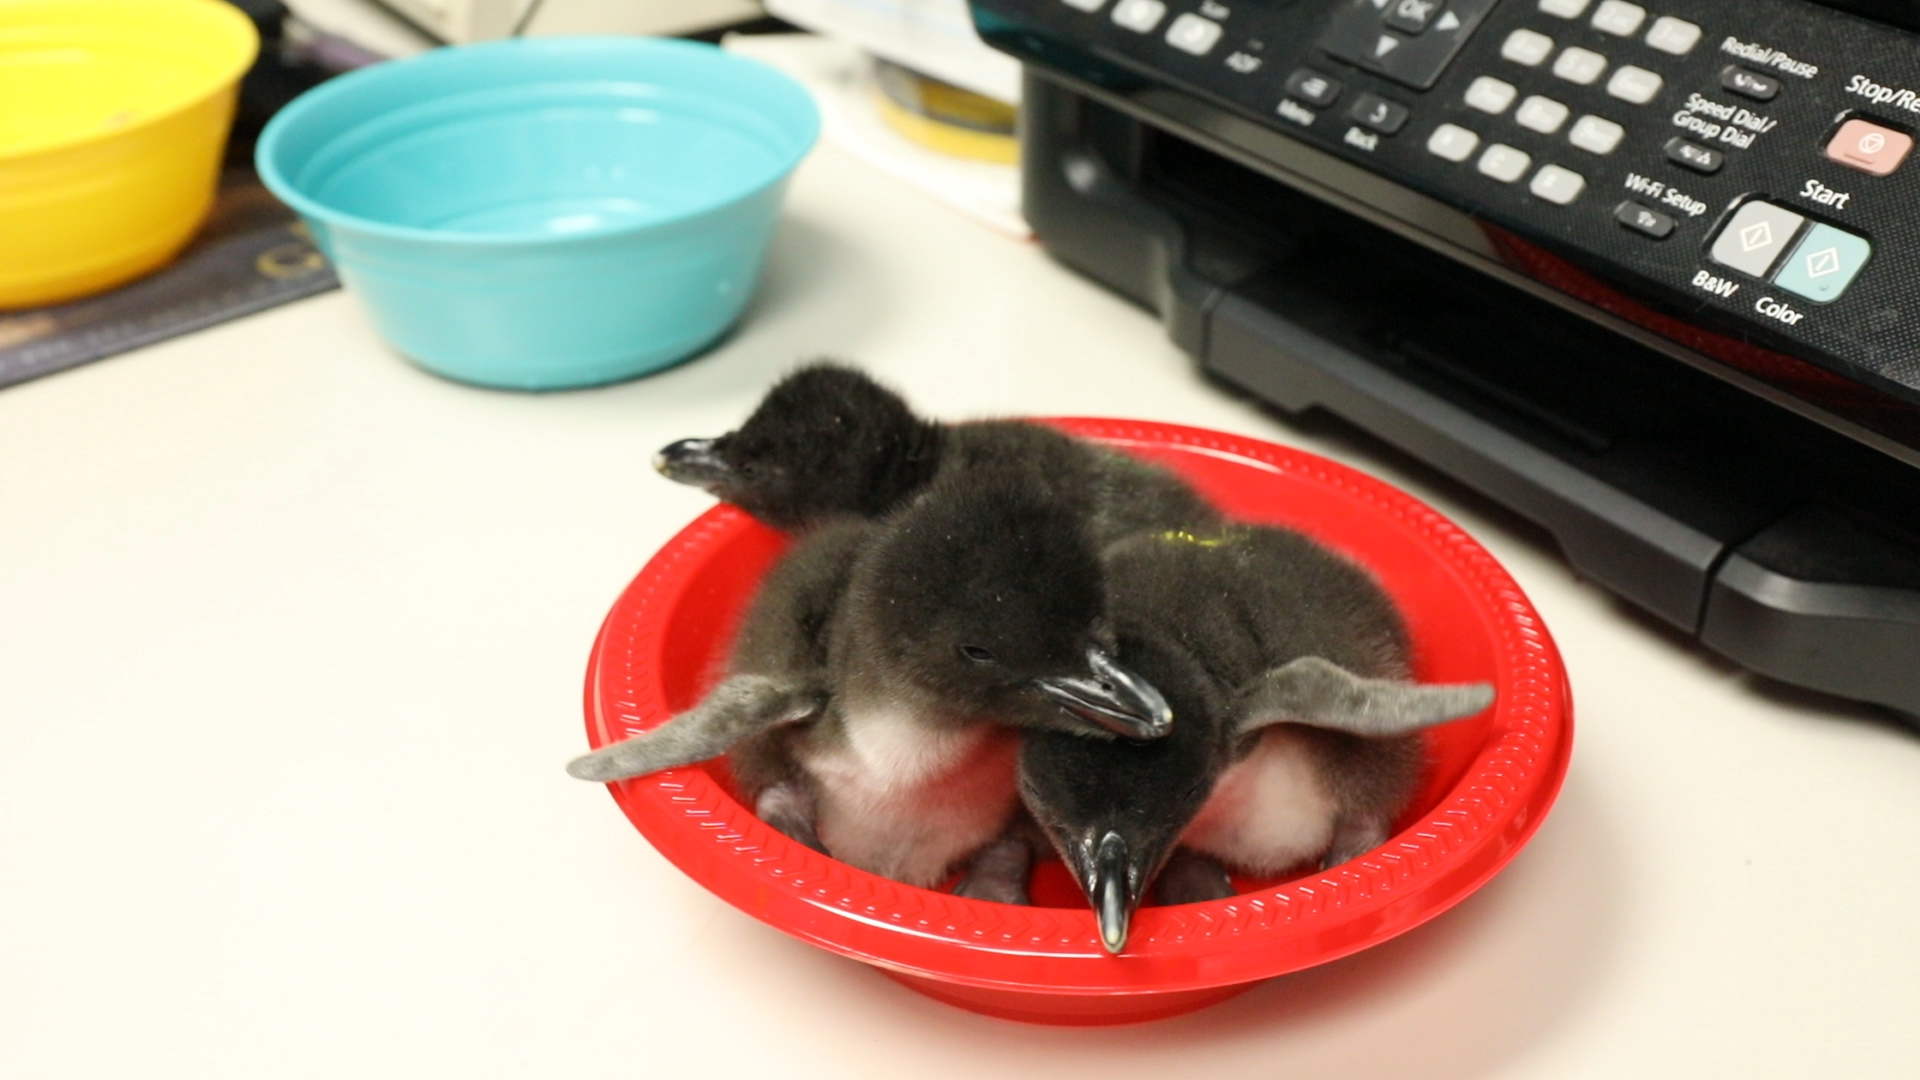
{"points": [[113, 115]]}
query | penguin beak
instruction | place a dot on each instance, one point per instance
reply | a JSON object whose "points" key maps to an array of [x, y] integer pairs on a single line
{"points": [[1112, 698], [1104, 872], [693, 462]]}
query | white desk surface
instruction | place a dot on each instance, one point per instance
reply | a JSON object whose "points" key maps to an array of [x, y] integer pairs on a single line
{"points": [[291, 645]]}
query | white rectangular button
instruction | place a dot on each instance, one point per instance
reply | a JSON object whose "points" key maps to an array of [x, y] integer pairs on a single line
{"points": [[1635, 84], [1755, 238], [1453, 142], [1192, 34], [1582, 66], [1504, 163], [1618, 17], [1490, 95], [1671, 35], [1085, 5], [1557, 185], [1565, 9], [1596, 135], [1527, 47], [1139, 16], [1540, 114]]}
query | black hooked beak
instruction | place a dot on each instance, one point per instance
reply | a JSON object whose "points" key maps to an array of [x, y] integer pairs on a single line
{"points": [[694, 462], [1108, 881], [1114, 698]]}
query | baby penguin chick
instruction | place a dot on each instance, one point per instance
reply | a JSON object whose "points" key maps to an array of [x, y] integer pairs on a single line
{"points": [[827, 440], [1288, 668], [873, 697]]}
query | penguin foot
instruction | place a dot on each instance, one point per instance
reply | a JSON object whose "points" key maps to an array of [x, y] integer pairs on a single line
{"points": [[1351, 840], [998, 872], [1192, 878], [790, 808]]}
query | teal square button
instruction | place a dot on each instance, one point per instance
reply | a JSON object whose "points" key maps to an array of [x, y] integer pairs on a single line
{"points": [[1824, 264]]}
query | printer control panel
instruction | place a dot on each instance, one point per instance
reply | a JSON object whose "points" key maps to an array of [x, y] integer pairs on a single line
{"points": [[1741, 166]]}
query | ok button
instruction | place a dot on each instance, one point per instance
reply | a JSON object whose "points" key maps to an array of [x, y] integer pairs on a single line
{"points": [[1412, 16]]}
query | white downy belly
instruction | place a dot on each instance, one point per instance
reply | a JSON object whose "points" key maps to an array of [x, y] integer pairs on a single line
{"points": [[908, 801], [1270, 811]]}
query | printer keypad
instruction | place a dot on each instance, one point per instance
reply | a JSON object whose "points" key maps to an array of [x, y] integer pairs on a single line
{"points": [[1577, 54]]}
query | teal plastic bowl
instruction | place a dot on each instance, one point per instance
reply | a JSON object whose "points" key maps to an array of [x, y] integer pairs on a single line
{"points": [[546, 214]]}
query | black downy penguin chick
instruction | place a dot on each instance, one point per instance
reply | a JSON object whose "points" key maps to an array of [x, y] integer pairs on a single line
{"points": [[827, 440], [977, 610], [1288, 668]]}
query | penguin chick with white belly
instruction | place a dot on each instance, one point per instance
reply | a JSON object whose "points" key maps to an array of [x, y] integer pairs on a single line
{"points": [[875, 692], [1288, 668], [828, 440]]}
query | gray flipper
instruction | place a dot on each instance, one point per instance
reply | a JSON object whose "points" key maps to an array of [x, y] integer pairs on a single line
{"points": [[740, 706], [1320, 693]]}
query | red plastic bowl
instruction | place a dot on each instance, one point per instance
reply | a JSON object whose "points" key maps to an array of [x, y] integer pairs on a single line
{"points": [[1490, 780]]}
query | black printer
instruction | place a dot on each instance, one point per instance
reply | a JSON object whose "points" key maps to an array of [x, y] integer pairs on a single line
{"points": [[1649, 274]]}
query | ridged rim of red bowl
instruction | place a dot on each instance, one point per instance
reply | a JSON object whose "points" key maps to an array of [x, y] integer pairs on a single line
{"points": [[1425, 869]]}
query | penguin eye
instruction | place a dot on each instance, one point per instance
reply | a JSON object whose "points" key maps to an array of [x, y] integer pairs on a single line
{"points": [[978, 655]]}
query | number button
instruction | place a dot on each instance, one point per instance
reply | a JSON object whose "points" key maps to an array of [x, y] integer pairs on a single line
{"points": [[1452, 142], [1596, 135], [1676, 37], [1504, 163], [1557, 185], [1618, 17], [1527, 47], [1139, 16], [1564, 9], [1491, 95], [1192, 34], [1580, 66], [1636, 85], [1540, 114]]}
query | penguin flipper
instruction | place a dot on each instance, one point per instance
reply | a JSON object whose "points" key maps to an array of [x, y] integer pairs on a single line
{"points": [[741, 706], [1320, 693]]}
